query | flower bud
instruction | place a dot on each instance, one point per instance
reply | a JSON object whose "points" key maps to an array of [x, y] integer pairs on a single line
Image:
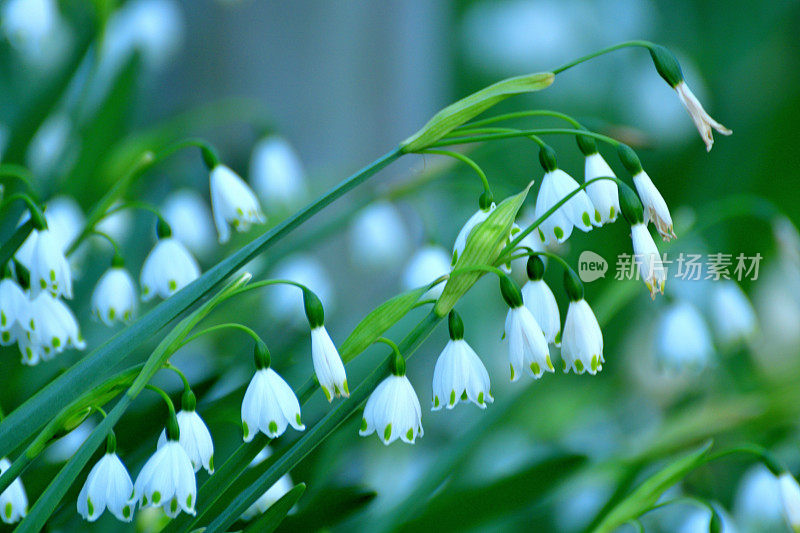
{"points": [[629, 159]]}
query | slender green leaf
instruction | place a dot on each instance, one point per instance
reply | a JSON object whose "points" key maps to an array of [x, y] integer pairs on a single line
{"points": [[467, 108], [276, 512], [647, 494], [328, 508]]}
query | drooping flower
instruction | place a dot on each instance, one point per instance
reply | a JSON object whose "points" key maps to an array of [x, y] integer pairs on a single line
{"points": [[108, 486], [578, 211], [233, 203], [195, 437], [758, 499], [28, 23], [459, 373], [702, 120], [14, 312], [603, 193], [114, 296], [378, 237], [427, 264], [655, 208], [190, 220], [648, 259], [273, 494], [276, 173], [393, 409], [13, 501], [168, 268], [527, 346], [541, 302], [683, 339], [50, 269], [790, 496], [167, 480], [53, 328], [269, 403], [328, 364], [461, 239], [582, 341], [731, 313]]}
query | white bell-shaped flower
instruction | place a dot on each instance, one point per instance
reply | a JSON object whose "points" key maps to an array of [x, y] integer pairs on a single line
{"points": [[277, 173], [461, 239], [273, 494], [655, 208], [648, 259], [459, 373], [108, 486], [14, 312], [790, 496], [28, 23], [732, 313], [378, 237], [541, 302], [168, 268], [758, 500], [702, 120], [195, 437], [578, 211], [53, 327], [582, 341], [527, 346], [13, 501], [190, 220], [269, 403], [232, 202], [50, 269], [114, 296], [683, 340], [426, 265], [167, 480], [603, 193], [328, 364], [393, 411]]}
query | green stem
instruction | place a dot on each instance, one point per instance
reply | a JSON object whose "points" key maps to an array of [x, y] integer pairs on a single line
{"points": [[512, 133], [268, 282], [164, 396], [627, 44], [108, 239], [18, 172], [515, 115], [186, 385], [36, 215], [472, 164], [218, 327], [10, 247]]}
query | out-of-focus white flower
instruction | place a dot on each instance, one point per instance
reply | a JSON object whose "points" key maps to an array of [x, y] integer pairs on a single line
{"points": [[683, 339], [273, 494], [701, 119], [787, 237], [14, 312], [378, 237], [393, 411], [50, 270], [190, 219], [578, 211], [461, 239], [108, 486], [117, 224], [53, 146], [168, 268], [269, 406], [604, 193], [790, 496], [328, 364], [53, 328], [527, 346], [65, 221], [541, 302], [27, 23], [427, 264], [13, 501], [732, 314], [195, 439], [153, 28], [114, 296], [758, 499], [167, 480], [699, 521], [285, 303], [648, 259], [64, 448], [582, 340], [655, 208], [232, 202], [460, 375], [276, 173]]}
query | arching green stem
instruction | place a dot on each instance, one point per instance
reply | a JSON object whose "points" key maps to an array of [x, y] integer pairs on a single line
{"points": [[472, 164], [218, 327], [186, 385], [515, 115], [510, 133], [37, 217], [627, 44], [19, 173]]}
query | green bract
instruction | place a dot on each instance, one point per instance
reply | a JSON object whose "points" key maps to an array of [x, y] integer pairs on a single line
{"points": [[467, 108], [484, 245]]}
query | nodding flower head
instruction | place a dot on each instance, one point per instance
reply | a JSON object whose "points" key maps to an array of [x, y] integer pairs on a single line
{"points": [[232, 202]]}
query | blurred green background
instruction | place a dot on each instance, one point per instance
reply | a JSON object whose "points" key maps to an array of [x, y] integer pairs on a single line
{"points": [[344, 82]]}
